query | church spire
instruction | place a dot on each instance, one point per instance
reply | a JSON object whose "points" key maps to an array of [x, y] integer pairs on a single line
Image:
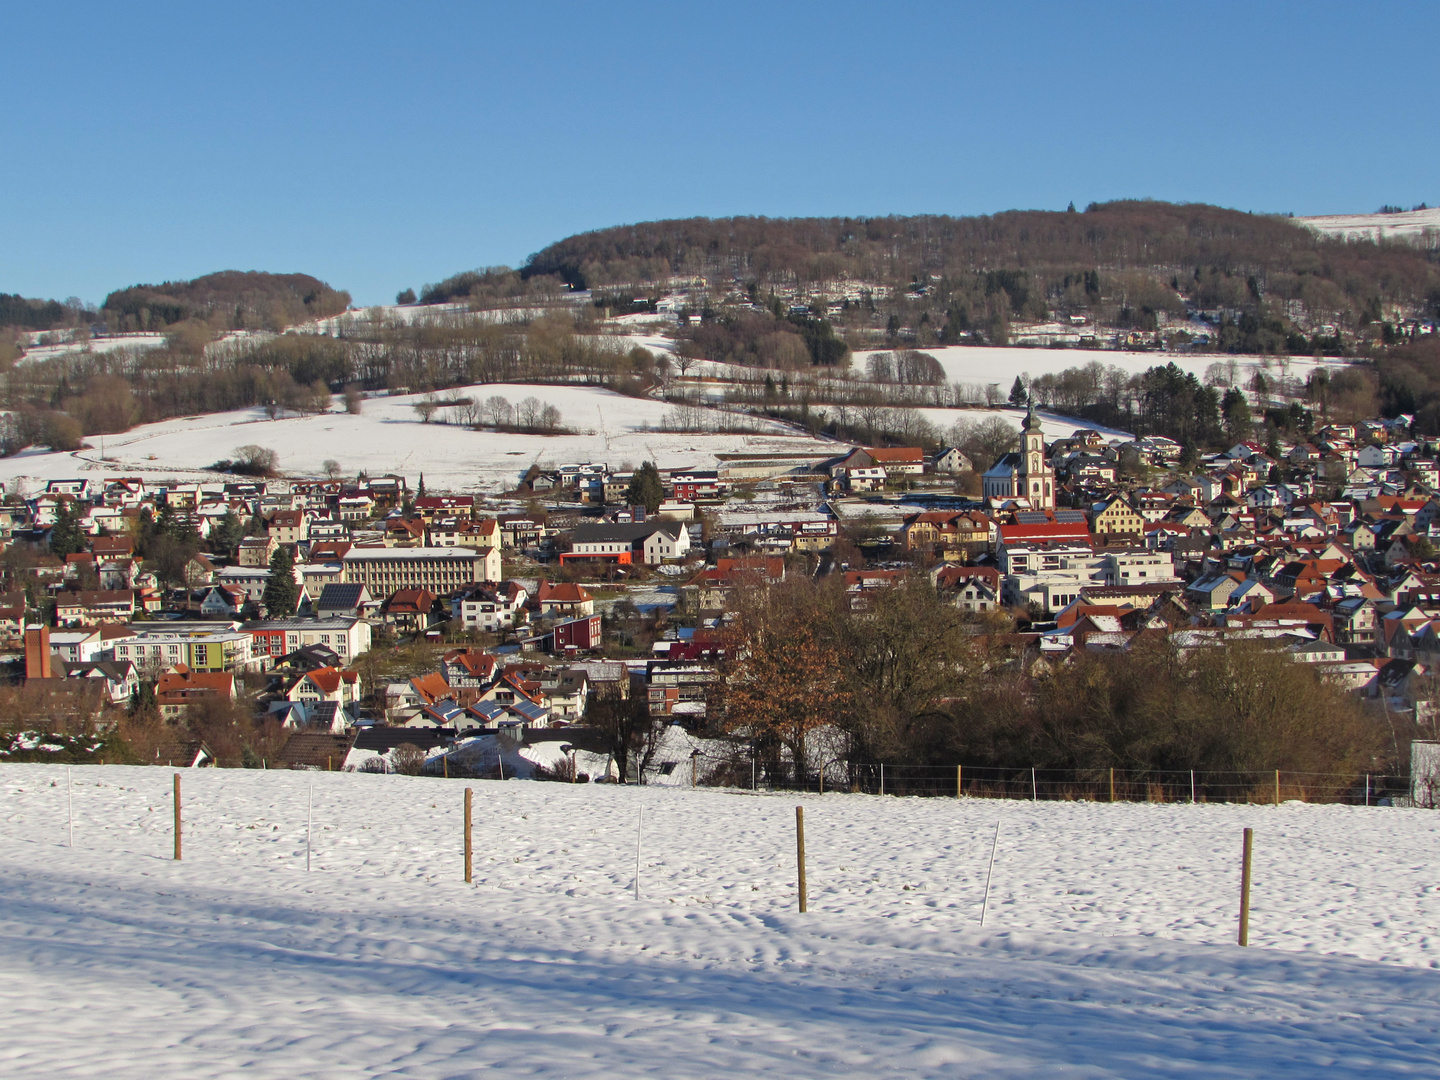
{"points": [[1031, 423]]}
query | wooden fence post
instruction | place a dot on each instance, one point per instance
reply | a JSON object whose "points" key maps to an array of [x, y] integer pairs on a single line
{"points": [[800, 852], [177, 817], [882, 778], [1034, 787], [468, 848], [959, 781], [1277, 787], [1245, 889], [1112, 784]]}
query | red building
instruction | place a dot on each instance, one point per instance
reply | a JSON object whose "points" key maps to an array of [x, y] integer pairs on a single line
{"points": [[581, 635], [268, 642]]}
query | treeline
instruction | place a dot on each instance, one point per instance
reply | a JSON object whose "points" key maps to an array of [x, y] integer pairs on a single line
{"points": [[1409, 382], [492, 285], [57, 401], [228, 300], [911, 680], [773, 338], [23, 314], [1127, 261]]}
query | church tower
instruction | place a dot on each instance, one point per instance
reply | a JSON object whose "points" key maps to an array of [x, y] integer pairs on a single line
{"points": [[1035, 479]]}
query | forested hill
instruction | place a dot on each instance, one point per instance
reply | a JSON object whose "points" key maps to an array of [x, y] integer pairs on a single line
{"points": [[26, 314], [228, 300], [1128, 254]]}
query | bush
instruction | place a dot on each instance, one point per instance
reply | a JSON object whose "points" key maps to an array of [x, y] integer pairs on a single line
{"points": [[407, 759]]}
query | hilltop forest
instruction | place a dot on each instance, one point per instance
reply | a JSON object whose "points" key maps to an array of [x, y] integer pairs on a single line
{"points": [[1121, 263]]}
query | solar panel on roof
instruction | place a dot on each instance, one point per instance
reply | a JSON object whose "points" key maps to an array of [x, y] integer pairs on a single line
{"points": [[1031, 517], [1070, 516]]}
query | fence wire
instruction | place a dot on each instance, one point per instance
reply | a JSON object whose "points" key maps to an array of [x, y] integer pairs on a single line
{"points": [[1054, 785]]}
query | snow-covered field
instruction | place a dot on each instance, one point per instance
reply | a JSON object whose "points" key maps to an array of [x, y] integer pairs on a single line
{"points": [[388, 437], [1054, 425], [34, 354], [982, 365], [1409, 225], [1107, 951]]}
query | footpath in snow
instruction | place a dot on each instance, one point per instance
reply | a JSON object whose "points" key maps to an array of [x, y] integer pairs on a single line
{"points": [[1107, 950]]}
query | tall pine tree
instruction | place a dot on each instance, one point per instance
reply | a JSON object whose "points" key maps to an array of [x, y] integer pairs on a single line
{"points": [[66, 538], [281, 592], [645, 488]]}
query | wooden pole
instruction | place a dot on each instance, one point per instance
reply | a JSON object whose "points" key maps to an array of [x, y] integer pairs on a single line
{"points": [[994, 844], [1192, 787], [1245, 889], [1034, 787], [1367, 788], [822, 776], [468, 848], [177, 817], [959, 778], [445, 768], [1112, 785], [882, 778], [1277, 787], [800, 852], [754, 783], [70, 803], [693, 769]]}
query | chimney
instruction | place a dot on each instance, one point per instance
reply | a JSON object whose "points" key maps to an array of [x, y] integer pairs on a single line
{"points": [[37, 653]]}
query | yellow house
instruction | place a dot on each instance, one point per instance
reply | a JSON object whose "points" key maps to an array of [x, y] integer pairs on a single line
{"points": [[1118, 516]]}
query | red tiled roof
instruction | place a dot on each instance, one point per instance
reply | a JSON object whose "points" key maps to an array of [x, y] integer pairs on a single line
{"points": [[895, 453]]}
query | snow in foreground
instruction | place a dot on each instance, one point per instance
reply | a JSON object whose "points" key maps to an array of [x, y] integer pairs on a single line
{"points": [[1107, 949]]}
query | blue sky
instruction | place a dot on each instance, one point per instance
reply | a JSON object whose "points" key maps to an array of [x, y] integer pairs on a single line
{"points": [[385, 146]]}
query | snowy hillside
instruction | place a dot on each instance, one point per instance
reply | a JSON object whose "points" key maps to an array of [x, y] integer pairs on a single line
{"points": [[1408, 225], [1053, 425], [982, 365], [388, 436], [1107, 951]]}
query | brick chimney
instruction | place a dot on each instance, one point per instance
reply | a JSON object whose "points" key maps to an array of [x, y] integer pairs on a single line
{"points": [[37, 653]]}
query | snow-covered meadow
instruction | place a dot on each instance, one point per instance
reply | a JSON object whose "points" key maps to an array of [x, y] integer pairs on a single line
{"points": [[1107, 950], [987, 365], [1414, 225], [388, 436]]}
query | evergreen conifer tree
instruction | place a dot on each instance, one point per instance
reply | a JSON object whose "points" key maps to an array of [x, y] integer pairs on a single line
{"points": [[645, 488], [65, 535], [281, 593], [228, 533]]}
